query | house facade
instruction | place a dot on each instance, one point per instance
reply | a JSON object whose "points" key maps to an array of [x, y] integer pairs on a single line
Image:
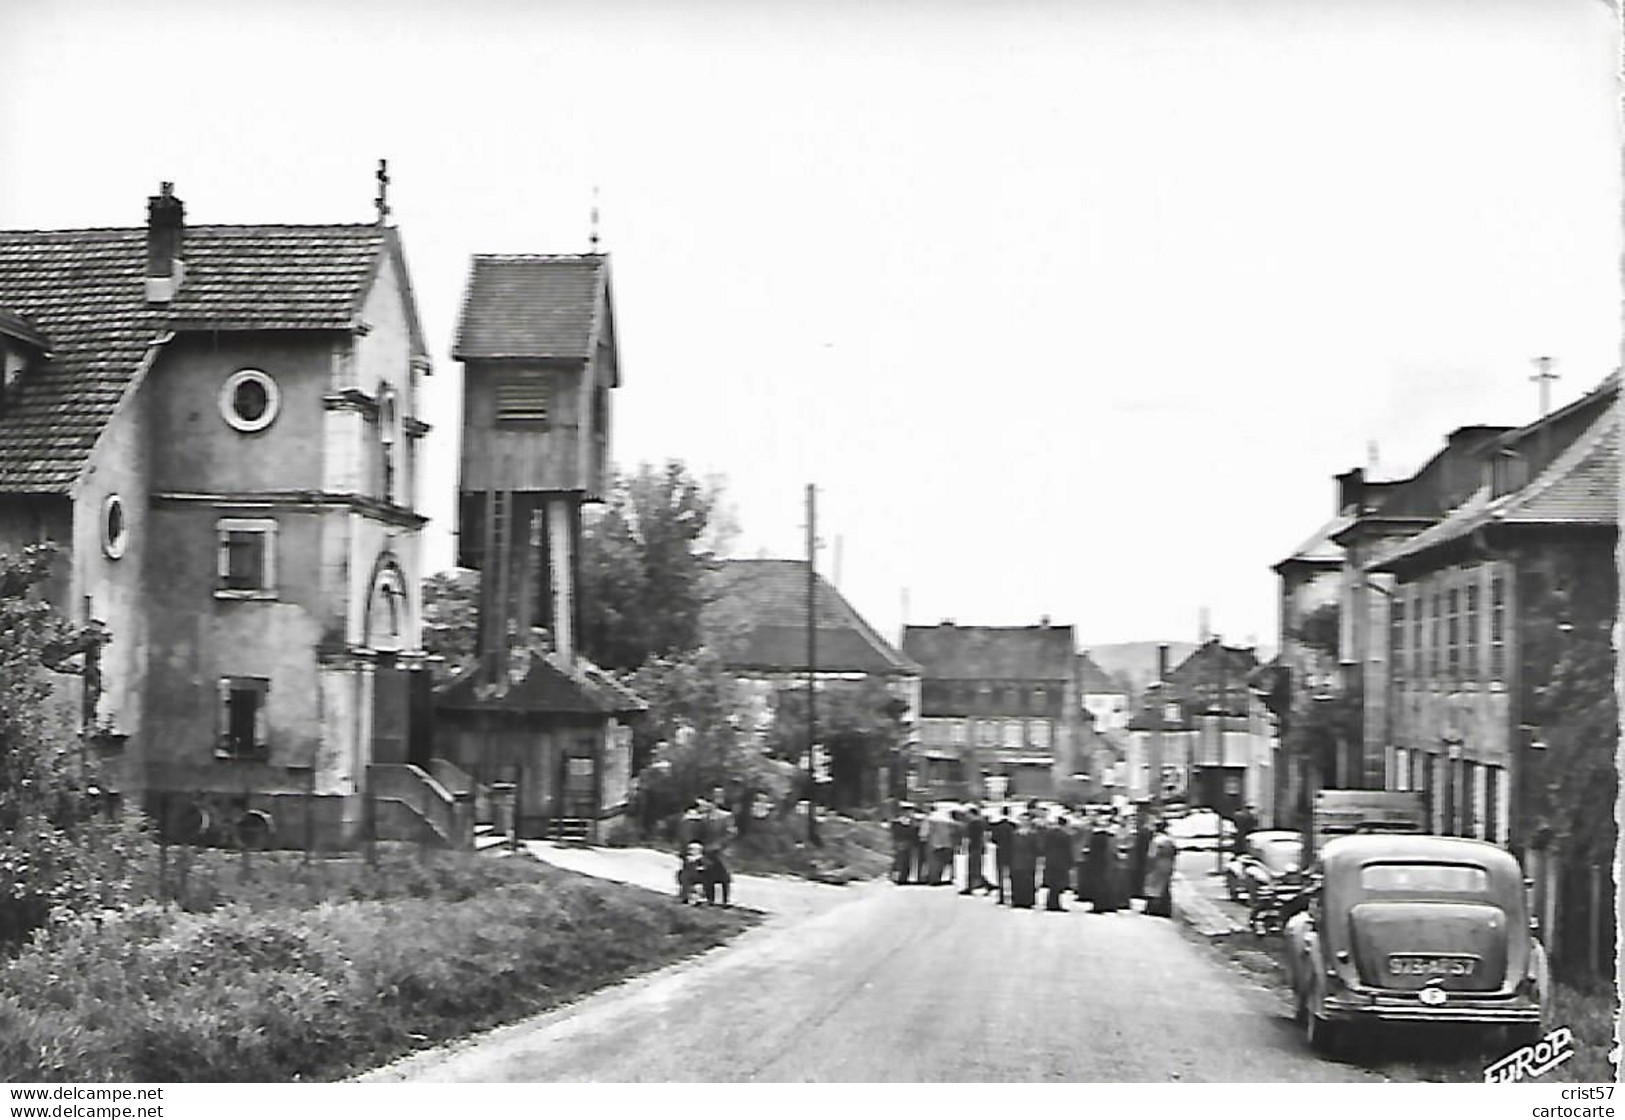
{"points": [[218, 425], [1470, 596], [1499, 702], [1202, 735], [999, 709]]}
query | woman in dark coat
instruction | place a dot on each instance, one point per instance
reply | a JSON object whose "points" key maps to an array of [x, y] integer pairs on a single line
{"points": [[1024, 850], [1136, 857], [1057, 863], [1105, 870]]}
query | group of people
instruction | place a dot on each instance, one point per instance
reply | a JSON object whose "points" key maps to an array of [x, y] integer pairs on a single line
{"points": [[1093, 854], [703, 837]]}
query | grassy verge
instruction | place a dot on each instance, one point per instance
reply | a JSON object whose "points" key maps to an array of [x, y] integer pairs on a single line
{"points": [[1419, 1054], [313, 973]]}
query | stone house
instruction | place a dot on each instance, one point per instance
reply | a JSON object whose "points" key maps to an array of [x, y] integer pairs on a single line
{"points": [[1465, 598], [1208, 732], [219, 426], [1000, 712]]}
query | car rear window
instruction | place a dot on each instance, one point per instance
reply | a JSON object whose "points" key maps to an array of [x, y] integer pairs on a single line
{"points": [[1441, 878]]}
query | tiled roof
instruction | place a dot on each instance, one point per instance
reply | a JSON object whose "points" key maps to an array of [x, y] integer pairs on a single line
{"points": [[85, 290], [531, 307], [1580, 487], [544, 689], [1092, 678], [768, 600], [1321, 548], [1012, 653], [1211, 663]]}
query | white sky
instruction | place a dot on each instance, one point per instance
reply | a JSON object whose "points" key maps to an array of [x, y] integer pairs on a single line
{"points": [[1068, 308]]}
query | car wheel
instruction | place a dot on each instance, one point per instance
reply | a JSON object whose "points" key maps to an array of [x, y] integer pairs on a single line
{"points": [[1230, 889]]}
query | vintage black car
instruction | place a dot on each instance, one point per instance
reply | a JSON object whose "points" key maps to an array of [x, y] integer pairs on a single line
{"points": [[1265, 857], [1417, 929]]}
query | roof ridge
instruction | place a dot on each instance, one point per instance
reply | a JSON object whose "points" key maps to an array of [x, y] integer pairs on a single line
{"points": [[541, 258], [200, 227], [1559, 468]]}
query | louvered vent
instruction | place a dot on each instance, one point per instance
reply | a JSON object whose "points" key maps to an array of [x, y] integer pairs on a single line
{"points": [[523, 398]]}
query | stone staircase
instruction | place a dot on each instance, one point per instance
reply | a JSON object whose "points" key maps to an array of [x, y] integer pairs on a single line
{"points": [[408, 803]]}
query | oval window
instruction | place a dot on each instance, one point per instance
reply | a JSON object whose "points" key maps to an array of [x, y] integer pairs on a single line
{"points": [[249, 400], [115, 529]]}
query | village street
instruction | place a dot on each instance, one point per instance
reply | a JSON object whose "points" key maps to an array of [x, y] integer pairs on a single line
{"points": [[883, 983]]}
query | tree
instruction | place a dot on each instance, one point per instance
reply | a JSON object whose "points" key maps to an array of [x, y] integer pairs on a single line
{"points": [[645, 556], [56, 858], [451, 610], [860, 727], [689, 742]]}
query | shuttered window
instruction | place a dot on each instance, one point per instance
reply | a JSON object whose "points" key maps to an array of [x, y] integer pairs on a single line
{"points": [[242, 724], [522, 398]]}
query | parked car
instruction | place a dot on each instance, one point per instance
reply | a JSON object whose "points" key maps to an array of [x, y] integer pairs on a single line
{"points": [[1415, 929], [1265, 857], [1201, 830]]}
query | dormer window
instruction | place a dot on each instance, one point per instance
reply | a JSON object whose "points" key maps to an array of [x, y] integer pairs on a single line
{"points": [[249, 400]]}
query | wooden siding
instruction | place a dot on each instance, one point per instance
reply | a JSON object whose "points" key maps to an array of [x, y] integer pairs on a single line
{"points": [[522, 455]]}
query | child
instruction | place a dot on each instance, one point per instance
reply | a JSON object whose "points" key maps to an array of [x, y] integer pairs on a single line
{"points": [[690, 874]]}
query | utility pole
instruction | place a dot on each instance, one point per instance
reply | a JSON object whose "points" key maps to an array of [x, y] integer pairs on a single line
{"points": [[1544, 379], [812, 663]]}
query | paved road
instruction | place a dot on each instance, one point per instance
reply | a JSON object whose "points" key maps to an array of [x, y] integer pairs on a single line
{"points": [[885, 983]]}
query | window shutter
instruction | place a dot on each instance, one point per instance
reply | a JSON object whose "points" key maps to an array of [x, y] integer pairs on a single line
{"points": [[262, 722], [222, 717], [223, 557]]}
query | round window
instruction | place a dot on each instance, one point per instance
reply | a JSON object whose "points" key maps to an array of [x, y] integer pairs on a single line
{"points": [[115, 529], [249, 400]]}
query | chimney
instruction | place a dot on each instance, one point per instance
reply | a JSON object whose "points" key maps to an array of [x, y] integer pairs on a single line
{"points": [[1162, 663], [1350, 490], [1043, 620], [166, 231]]}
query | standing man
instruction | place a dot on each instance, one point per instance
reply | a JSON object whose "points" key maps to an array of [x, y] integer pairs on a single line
{"points": [[1137, 853], [940, 836], [1001, 832], [719, 832], [1057, 843], [904, 830], [975, 848], [1246, 821]]}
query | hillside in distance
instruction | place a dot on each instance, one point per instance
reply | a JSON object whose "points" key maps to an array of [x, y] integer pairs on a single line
{"points": [[1134, 664]]}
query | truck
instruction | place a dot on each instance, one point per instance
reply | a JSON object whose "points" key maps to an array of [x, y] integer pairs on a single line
{"points": [[1341, 812]]}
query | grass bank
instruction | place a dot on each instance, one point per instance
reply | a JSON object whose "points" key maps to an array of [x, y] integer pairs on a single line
{"points": [[287, 972]]}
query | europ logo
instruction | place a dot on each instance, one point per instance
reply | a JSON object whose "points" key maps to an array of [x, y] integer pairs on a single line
{"points": [[1532, 1061]]}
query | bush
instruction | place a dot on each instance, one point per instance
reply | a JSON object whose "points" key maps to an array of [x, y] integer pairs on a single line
{"points": [[257, 993]]}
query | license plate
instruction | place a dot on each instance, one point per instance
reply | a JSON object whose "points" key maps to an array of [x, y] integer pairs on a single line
{"points": [[1417, 964]]}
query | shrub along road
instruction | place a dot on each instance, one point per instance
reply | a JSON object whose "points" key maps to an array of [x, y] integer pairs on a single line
{"points": [[886, 983]]}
